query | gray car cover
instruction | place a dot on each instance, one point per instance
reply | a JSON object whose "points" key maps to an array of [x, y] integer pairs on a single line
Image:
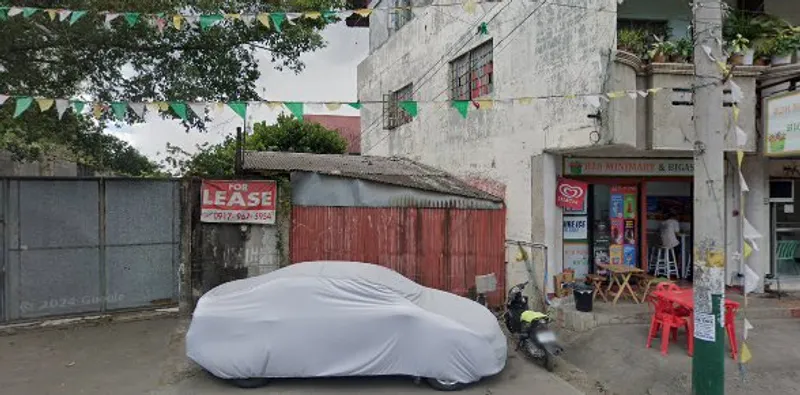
{"points": [[327, 318]]}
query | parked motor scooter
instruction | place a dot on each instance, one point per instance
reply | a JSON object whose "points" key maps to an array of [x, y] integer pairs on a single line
{"points": [[531, 329]]}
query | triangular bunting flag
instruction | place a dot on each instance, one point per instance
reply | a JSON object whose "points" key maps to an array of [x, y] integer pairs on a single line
{"points": [[52, 14], [295, 108], [179, 108], [654, 90], [736, 92], [409, 106], [109, 18], [240, 108], [22, 105], [61, 107], [177, 21], [746, 356], [329, 16], [75, 16], [750, 233], [525, 100], [192, 19], [633, 95], [743, 183], [292, 16], [248, 19], [277, 20], [363, 12], [207, 20], [45, 104], [162, 106], [747, 328], [233, 17], [78, 106], [739, 157], [462, 106], [741, 137], [264, 19], [28, 12], [642, 93], [97, 110], [152, 107], [274, 105], [592, 100], [132, 18], [736, 112], [750, 279], [3, 99], [483, 29], [137, 108], [747, 250], [615, 95], [333, 106], [485, 104], [120, 109], [14, 11], [356, 105], [198, 109], [470, 6], [63, 15], [312, 15]]}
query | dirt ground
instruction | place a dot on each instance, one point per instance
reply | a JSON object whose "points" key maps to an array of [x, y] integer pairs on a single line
{"points": [[614, 360], [147, 357]]}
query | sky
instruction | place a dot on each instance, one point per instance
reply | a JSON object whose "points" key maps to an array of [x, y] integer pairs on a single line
{"points": [[330, 75]]}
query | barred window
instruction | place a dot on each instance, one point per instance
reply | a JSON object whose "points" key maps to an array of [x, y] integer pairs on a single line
{"points": [[401, 13], [471, 75], [393, 115]]}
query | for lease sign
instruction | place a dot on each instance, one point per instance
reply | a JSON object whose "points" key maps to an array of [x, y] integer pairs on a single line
{"points": [[248, 202]]}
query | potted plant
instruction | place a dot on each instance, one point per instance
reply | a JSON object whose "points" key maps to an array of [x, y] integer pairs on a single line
{"points": [[782, 48], [632, 41], [661, 50], [741, 52], [762, 52], [684, 51]]}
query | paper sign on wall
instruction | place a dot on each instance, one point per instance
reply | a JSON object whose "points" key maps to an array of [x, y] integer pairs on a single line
{"points": [[242, 202], [571, 194], [575, 228]]}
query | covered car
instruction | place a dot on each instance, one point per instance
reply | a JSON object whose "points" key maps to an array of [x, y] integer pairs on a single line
{"points": [[330, 318]]}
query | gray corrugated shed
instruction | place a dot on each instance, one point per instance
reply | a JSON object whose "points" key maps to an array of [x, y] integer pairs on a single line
{"points": [[394, 171]]}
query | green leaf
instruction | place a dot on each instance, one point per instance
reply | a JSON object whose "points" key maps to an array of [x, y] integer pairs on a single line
{"points": [[132, 18], [409, 106], [239, 107], [78, 106], [462, 106], [28, 12], [23, 103], [277, 19], [356, 105], [206, 20], [179, 108], [75, 16], [120, 108], [296, 108]]}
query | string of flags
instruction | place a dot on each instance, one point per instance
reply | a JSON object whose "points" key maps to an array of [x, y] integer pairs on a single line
{"points": [[183, 109], [205, 20]]}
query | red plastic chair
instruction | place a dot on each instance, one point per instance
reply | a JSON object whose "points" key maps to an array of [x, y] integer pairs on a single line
{"points": [[668, 321], [680, 311], [731, 308]]}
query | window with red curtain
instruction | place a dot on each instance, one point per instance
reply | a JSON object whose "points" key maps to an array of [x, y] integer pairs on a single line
{"points": [[471, 75]]}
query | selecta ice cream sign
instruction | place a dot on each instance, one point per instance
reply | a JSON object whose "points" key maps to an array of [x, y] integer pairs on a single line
{"points": [[571, 194]]}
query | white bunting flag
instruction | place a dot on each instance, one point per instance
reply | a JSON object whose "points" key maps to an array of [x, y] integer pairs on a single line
{"points": [[741, 137], [292, 16], [593, 101], [137, 108], [632, 95], [736, 92], [750, 233], [248, 19], [61, 107], [110, 17], [743, 183], [750, 279], [14, 11], [747, 327], [63, 15], [3, 99], [198, 109]]}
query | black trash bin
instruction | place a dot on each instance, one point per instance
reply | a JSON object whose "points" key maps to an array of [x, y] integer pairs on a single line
{"points": [[583, 297]]}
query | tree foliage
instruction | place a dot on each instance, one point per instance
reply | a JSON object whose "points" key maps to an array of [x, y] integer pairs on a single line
{"points": [[287, 135], [53, 59]]}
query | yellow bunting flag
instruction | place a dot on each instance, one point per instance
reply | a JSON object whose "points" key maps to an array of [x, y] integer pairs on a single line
{"points": [[177, 21], [736, 112], [525, 100], [746, 356], [570, 96], [273, 105], [739, 157], [747, 250], [97, 110], [263, 18], [485, 104], [312, 14], [52, 14], [45, 104], [233, 17], [654, 90], [364, 12], [615, 95], [152, 107], [333, 106], [162, 106], [470, 6]]}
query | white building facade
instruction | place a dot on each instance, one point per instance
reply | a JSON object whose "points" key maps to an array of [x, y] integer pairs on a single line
{"points": [[532, 78]]}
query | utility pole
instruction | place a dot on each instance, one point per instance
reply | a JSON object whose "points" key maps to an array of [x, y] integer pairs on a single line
{"points": [[708, 364]]}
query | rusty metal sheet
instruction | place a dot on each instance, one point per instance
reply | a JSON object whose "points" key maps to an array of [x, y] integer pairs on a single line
{"points": [[439, 248]]}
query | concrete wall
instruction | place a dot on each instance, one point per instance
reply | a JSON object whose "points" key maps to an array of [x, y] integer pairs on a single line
{"points": [[786, 9], [47, 168], [492, 146]]}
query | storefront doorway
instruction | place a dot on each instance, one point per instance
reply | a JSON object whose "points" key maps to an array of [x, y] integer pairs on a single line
{"points": [[785, 232], [622, 218]]}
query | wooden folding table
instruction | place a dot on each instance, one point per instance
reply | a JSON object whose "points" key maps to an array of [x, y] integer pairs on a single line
{"points": [[621, 275]]}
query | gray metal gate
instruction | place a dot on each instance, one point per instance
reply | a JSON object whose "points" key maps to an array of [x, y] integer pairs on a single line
{"points": [[88, 245]]}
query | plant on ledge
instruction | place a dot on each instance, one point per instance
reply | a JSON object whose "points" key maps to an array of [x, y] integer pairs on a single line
{"points": [[782, 47], [661, 51], [741, 52], [632, 41], [684, 51]]}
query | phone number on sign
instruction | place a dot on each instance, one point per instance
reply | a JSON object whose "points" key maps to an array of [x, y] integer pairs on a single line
{"points": [[239, 216]]}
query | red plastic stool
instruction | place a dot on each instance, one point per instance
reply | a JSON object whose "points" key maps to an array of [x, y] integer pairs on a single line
{"points": [[731, 308]]}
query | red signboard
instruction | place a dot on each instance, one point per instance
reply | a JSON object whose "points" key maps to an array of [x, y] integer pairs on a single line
{"points": [[571, 194], [248, 202]]}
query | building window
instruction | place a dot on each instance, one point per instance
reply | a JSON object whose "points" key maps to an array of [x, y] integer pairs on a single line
{"points": [[401, 13], [393, 115], [471, 75], [657, 28]]}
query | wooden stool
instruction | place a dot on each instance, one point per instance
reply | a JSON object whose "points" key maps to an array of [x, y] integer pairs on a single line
{"points": [[597, 282]]}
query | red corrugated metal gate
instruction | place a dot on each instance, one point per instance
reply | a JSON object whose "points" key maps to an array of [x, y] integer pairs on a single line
{"points": [[443, 248]]}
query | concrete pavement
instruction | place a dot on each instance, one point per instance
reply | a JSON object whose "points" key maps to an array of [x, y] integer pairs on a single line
{"points": [[147, 357]]}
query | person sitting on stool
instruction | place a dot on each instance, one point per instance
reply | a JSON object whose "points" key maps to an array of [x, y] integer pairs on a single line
{"points": [[669, 232]]}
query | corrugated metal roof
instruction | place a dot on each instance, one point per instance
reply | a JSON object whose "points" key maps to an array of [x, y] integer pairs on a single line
{"points": [[388, 170]]}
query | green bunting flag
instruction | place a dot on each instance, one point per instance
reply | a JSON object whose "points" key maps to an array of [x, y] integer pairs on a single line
{"points": [[483, 29], [78, 106], [356, 105], [277, 20], [179, 108], [120, 109], [22, 104], [409, 106], [3, 13], [75, 16], [462, 106], [295, 108], [239, 107], [132, 18], [328, 16], [207, 20], [28, 12]]}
